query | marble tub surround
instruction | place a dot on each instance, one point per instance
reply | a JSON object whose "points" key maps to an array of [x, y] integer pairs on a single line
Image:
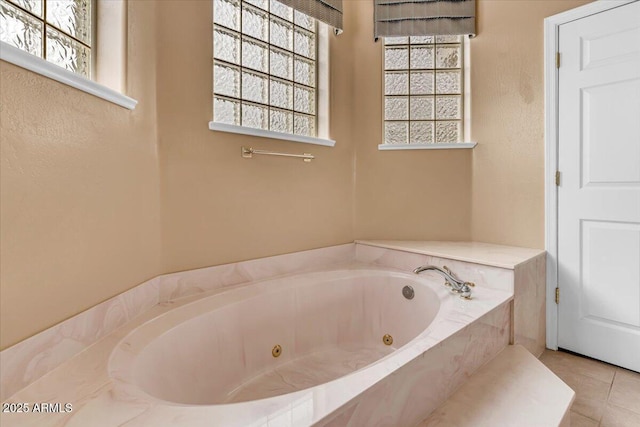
{"points": [[184, 283], [521, 271], [412, 393], [514, 389], [25, 362], [484, 276], [474, 252], [32, 358], [466, 332], [77, 365], [530, 304]]}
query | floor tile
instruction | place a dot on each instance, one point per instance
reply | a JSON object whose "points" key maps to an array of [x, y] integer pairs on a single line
{"points": [[605, 395], [567, 374], [579, 365], [625, 391], [578, 420], [619, 417], [591, 396]]}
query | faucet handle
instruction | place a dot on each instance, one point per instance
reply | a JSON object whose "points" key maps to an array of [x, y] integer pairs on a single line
{"points": [[448, 270], [465, 291], [451, 273]]}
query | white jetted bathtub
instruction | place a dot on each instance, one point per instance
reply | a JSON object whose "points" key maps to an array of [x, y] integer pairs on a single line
{"points": [[333, 347]]}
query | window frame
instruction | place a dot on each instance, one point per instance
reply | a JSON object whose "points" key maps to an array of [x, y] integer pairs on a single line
{"points": [[465, 141], [320, 88], [45, 24], [112, 93]]}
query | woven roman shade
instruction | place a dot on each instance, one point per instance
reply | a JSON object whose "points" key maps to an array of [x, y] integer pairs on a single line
{"points": [[424, 17], [327, 11]]}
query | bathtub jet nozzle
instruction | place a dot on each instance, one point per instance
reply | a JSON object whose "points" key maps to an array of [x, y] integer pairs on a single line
{"points": [[276, 351], [387, 339]]}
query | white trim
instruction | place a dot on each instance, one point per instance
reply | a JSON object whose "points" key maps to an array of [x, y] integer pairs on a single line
{"points": [[466, 106], [551, 30], [243, 130], [109, 50], [436, 146], [466, 95], [550, 166], [45, 68], [584, 11], [323, 88]]}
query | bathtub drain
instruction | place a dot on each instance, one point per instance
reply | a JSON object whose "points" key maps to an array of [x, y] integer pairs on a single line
{"points": [[387, 339], [276, 351]]}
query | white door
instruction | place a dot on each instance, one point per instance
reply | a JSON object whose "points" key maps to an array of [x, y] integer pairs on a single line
{"points": [[599, 193]]}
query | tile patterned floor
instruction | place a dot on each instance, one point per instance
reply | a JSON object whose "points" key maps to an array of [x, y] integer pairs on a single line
{"points": [[606, 396]]}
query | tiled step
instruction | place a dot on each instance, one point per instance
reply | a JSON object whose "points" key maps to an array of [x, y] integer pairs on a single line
{"points": [[514, 389]]}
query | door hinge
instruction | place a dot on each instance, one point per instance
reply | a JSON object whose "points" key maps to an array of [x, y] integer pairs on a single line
{"points": [[558, 178], [557, 295], [557, 59]]}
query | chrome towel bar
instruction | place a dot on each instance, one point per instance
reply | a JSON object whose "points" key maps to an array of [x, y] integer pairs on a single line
{"points": [[248, 153]]}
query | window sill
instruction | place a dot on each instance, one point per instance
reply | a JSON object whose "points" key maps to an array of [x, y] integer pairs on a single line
{"points": [[455, 146], [40, 66], [242, 130]]}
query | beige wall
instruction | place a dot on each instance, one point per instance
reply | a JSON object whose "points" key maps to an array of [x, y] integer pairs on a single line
{"points": [[95, 199], [508, 120], [411, 195], [494, 193], [79, 191], [218, 207]]}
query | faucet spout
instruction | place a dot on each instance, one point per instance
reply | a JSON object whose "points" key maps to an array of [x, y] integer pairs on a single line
{"points": [[445, 273], [458, 286]]}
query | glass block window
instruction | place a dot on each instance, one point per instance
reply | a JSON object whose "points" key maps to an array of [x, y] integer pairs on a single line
{"points": [[264, 67], [56, 30], [423, 90]]}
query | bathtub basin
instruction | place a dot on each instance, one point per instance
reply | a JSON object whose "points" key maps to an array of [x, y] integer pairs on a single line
{"points": [[276, 337], [304, 349]]}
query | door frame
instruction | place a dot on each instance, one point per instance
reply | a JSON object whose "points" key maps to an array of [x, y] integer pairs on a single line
{"points": [[551, 40]]}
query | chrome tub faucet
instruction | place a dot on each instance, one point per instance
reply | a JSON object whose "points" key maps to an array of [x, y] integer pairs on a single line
{"points": [[457, 286]]}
